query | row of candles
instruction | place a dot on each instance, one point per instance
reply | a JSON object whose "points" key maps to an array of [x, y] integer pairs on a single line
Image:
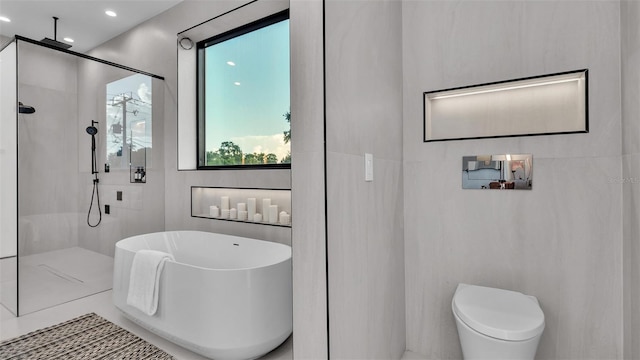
{"points": [[248, 211]]}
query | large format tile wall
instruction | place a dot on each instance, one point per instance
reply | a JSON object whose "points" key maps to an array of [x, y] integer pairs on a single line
{"points": [[561, 241], [630, 31], [365, 239], [47, 167], [141, 208]]}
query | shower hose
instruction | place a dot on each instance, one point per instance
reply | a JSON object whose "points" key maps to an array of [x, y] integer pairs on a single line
{"points": [[95, 194]]}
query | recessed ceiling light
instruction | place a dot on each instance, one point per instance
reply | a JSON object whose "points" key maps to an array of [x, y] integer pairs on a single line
{"points": [[68, 39], [236, 83], [111, 13], [231, 63], [5, 19]]}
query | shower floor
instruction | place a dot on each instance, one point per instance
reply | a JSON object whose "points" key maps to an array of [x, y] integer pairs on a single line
{"points": [[60, 276]]}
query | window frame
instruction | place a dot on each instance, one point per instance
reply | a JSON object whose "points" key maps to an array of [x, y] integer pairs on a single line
{"points": [[201, 46]]}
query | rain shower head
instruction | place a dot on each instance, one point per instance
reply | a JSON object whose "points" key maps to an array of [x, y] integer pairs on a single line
{"points": [[25, 109], [54, 41]]}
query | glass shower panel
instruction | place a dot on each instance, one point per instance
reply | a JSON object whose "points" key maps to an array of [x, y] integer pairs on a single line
{"points": [[66, 238], [8, 180]]}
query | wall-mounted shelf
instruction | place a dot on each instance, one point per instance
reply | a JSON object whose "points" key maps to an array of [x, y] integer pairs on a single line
{"points": [[540, 105], [204, 199]]}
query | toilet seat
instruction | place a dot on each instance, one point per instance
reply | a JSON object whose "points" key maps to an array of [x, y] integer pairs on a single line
{"points": [[501, 314]]}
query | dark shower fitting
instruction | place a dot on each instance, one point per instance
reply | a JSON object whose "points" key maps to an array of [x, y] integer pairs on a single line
{"points": [[25, 109], [93, 130], [54, 41]]}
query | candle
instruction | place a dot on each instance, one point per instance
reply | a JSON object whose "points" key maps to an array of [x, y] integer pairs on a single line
{"points": [[225, 213], [242, 207], [242, 215], [284, 218], [273, 214], [214, 211], [233, 213], [265, 209], [224, 203], [251, 207]]}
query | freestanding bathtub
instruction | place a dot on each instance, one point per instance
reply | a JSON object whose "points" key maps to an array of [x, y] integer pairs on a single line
{"points": [[224, 297]]}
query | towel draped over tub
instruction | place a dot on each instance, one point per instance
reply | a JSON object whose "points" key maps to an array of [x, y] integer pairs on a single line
{"points": [[144, 281]]}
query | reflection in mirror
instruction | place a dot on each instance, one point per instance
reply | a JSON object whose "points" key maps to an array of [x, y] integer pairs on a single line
{"points": [[502, 172]]}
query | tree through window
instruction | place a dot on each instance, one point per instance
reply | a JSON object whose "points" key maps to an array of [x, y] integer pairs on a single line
{"points": [[243, 102]]}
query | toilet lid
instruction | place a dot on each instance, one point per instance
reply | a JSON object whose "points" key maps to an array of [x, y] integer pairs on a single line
{"points": [[501, 314]]}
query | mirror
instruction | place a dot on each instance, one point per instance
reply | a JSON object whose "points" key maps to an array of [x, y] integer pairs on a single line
{"points": [[499, 172]]}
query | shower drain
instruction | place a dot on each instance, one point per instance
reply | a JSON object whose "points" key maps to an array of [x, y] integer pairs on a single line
{"points": [[60, 274]]}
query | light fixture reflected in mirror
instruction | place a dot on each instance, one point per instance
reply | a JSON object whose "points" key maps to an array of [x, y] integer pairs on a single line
{"points": [[503, 172]]}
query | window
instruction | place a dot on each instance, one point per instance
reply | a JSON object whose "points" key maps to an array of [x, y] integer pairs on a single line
{"points": [[243, 97], [129, 122]]}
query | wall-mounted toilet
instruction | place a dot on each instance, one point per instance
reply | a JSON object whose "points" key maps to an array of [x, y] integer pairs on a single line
{"points": [[497, 324]]}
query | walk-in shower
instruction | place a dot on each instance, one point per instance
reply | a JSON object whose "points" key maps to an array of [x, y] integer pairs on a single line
{"points": [[51, 249]]}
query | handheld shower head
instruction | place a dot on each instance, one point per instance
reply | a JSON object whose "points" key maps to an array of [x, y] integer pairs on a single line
{"points": [[92, 130]]}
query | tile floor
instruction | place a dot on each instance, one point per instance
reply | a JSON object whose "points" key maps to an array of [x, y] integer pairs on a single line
{"points": [[55, 277], [102, 305]]}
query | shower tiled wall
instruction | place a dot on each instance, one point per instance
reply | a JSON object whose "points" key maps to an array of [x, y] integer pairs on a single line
{"points": [[48, 81]]}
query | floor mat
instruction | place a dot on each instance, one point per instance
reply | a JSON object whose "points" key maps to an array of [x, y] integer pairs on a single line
{"points": [[86, 337]]}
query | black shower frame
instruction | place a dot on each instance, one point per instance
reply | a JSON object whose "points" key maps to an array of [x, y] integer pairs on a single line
{"points": [[15, 40], [84, 56]]}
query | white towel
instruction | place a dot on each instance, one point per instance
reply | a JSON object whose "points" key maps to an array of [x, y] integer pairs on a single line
{"points": [[144, 279]]}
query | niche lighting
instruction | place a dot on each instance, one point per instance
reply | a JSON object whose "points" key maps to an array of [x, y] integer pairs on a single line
{"points": [[539, 105], [111, 13], [503, 88], [5, 19]]}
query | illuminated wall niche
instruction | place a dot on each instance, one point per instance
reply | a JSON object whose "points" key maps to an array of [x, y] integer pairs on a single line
{"points": [[540, 105]]}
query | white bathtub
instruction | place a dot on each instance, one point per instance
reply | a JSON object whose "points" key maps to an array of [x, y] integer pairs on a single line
{"points": [[224, 297]]}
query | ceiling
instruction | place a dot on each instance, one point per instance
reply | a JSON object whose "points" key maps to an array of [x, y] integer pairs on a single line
{"points": [[84, 21]]}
